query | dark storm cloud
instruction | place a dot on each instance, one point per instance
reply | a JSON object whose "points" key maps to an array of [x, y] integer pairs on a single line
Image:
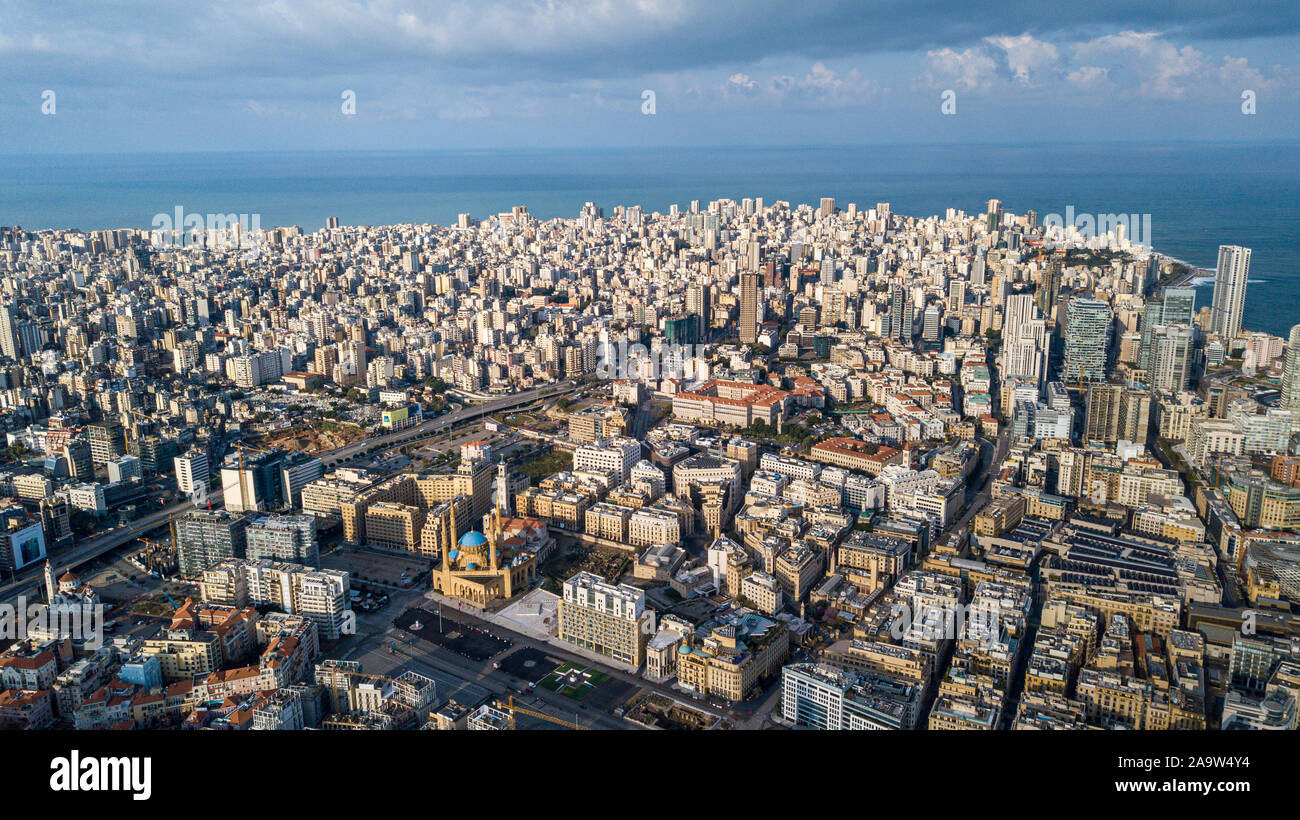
{"points": [[130, 73], [557, 40]]}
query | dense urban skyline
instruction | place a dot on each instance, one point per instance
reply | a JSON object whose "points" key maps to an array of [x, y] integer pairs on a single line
{"points": [[373, 370], [740, 464]]}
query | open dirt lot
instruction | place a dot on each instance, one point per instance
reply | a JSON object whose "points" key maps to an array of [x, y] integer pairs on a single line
{"points": [[376, 567], [328, 436]]}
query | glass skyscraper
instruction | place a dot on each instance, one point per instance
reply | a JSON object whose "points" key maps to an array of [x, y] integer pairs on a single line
{"points": [[1176, 306]]}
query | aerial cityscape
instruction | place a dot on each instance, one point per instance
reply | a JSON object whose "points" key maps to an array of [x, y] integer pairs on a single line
{"points": [[741, 464], [746, 461]]}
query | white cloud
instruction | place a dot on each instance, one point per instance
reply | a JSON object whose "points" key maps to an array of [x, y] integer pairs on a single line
{"points": [[1162, 70], [824, 85], [972, 69], [1089, 78], [740, 83], [1128, 64], [1026, 55], [820, 86]]}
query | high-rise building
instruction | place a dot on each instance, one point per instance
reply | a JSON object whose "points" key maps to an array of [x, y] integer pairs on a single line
{"points": [[1049, 286], [1171, 349], [1178, 306], [256, 482], [900, 314], [1291, 371], [994, 217], [192, 474], [55, 521], [1087, 340], [107, 441], [956, 297], [1025, 359], [284, 538], [81, 464], [808, 319], [1175, 306], [1018, 310], [157, 454], [203, 537], [1116, 412], [1134, 414], [697, 303], [1230, 291], [932, 331], [9, 343], [681, 330], [749, 291], [297, 471], [1101, 419]]}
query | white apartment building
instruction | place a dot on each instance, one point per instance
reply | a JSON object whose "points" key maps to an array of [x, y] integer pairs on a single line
{"points": [[943, 499], [124, 469], [786, 466], [646, 473], [88, 497], [649, 526], [1214, 436], [763, 592], [615, 455], [192, 471], [1137, 485], [321, 596], [903, 483]]}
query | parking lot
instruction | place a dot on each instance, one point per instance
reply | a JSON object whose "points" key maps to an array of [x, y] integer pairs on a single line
{"points": [[366, 566]]}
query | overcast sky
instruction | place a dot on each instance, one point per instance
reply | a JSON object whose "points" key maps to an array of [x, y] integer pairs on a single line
{"points": [[250, 75]]}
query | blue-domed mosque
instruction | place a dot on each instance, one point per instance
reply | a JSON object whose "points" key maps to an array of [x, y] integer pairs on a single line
{"points": [[485, 566]]}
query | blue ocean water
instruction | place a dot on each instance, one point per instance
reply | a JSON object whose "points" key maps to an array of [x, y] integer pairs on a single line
{"points": [[1199, 196]]}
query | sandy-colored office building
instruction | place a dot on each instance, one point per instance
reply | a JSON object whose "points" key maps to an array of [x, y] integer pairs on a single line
{"points": [[607, 619]]}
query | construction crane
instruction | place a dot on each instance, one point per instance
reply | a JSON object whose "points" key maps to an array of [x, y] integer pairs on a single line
{"points": [[157, 553], [510, 709], [240, 447]]}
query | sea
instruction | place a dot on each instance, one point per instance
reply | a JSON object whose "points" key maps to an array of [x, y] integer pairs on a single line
{"points": [[1199, 196]]}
